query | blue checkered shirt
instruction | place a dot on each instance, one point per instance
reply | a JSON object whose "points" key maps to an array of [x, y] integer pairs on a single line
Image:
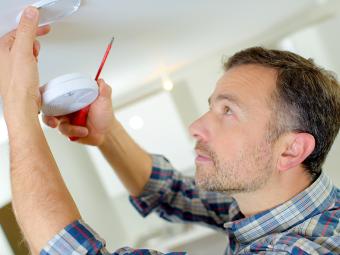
{"points": [[306, 224]]}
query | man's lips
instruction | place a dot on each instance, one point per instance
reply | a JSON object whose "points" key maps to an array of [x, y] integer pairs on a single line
{"points": [[202, 157]]}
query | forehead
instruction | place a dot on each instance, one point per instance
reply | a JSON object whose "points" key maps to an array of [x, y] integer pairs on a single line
{"points": [[251, 84]]}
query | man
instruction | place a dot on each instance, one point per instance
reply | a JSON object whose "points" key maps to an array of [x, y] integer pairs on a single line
{"points": [[272, 120]]}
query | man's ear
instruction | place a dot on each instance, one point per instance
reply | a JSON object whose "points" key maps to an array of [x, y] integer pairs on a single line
{"points": [[296, 148]]}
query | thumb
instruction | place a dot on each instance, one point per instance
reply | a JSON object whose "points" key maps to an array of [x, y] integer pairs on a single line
{"points": [[104, 89], [26, 32]]}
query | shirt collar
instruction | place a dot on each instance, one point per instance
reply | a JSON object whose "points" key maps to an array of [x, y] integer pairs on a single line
{"points": [[316, 198]]}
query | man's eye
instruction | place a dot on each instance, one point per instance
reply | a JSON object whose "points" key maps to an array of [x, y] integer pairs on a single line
{"points": [[227, 110]]}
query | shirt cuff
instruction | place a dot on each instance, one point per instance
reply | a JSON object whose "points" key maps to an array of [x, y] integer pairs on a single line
{"points": [[76, 238], [157, 186]]}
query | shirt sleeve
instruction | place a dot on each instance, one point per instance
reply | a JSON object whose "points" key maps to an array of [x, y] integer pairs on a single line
{"points": [[79, 238], [176, 198]]}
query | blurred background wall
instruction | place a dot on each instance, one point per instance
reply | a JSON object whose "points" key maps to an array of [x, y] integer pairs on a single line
{"points": [[163, 67]]}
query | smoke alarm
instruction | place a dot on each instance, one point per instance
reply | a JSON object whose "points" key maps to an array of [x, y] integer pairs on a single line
{"points": [[67, 94], [50, 11]]}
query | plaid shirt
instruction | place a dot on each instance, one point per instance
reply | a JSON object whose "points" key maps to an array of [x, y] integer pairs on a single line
{"points": [[306, 224]]}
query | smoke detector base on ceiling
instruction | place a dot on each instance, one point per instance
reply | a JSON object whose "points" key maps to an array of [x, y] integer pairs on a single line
{"points": [[50, 11], [53, 10]]}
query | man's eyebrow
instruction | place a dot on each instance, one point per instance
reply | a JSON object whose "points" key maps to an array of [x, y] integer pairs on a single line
{"points": [[229, 97]]}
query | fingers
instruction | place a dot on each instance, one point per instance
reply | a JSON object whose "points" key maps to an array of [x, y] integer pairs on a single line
{"points": [[8, 39], [69, 130], [26, 32], [36, 48], [64, 126], [53, 121], [43, 30], [50, 121]]}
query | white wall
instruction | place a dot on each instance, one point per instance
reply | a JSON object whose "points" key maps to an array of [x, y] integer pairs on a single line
{"points": [[4, 244]]}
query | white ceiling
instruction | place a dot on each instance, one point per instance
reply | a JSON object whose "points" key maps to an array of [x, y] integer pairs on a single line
{"points": [[152, 37]]}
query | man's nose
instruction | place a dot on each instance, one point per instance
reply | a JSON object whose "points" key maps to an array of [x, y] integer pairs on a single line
{"points": [[198, 130]]}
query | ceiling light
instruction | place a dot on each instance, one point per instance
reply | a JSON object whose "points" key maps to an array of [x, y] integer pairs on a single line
{"points": [[168, 85]]}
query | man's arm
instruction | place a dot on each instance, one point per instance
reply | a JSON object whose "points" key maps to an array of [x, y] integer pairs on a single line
{"points": [[42, 204], [131, 163]]}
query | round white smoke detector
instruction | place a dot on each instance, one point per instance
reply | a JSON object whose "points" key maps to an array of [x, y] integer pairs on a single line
{"points": [[53, 10], [68, 93]]}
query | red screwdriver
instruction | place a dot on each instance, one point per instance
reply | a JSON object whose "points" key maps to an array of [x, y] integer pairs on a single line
{"points": [[79, 118]]}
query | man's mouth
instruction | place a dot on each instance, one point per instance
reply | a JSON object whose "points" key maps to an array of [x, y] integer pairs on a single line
{"points": [[202, 156]]}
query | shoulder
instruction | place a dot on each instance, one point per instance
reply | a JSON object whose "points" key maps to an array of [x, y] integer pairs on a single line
{"points": [[316, 235]]}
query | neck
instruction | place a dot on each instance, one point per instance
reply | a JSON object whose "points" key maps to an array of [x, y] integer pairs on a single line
{"points": [[277, 190]]}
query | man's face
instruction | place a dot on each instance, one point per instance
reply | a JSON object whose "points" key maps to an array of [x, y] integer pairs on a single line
{"points": [[234, 152]]}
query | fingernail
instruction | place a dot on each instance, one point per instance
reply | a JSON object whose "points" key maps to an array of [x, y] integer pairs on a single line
{"points": [[30, 12], [84, 132]]}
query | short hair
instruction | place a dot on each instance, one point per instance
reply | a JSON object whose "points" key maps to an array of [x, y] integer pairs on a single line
{"points": [[306, 99]]}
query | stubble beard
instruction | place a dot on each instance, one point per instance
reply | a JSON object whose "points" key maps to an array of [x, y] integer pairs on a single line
{"points": [[250, 171]]}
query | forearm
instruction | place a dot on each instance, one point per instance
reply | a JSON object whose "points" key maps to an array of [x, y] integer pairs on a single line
{"points": [[41, 201], [131, 163]]}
